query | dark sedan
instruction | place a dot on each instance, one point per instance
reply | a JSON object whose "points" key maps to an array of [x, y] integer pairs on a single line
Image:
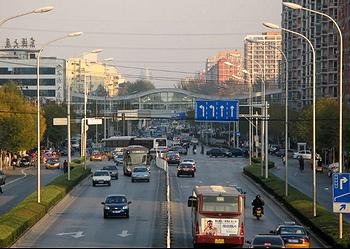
{"points": [[173, 158], [113, 171], [116, 206], [266, 241], [216, 153]]}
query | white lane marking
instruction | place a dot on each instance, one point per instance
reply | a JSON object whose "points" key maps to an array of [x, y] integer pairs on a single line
{"points": [[75, 235], [18, 179], [124, 234]]}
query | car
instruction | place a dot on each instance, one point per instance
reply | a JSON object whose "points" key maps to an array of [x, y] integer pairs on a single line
{"points": [[236, 152], [181, 150], [119, 159], [216, 152], [185, 169], [116, 206], [52, 164], [306, 154], [266, 241], [173, 158], [140, 173], [2, 178], [113, 171], [192, 162], [294, 236], [26, 161], [101, 177], [96, 156]]}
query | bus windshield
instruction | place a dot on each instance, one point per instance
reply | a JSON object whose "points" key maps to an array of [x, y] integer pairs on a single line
{"points": [[227, 204], [136, 159]]}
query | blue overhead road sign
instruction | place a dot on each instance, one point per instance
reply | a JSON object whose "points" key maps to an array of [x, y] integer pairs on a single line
{"points": [[217, 110], [341, 193]]}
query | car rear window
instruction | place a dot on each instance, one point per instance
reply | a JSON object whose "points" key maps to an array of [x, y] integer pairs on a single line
{"points": [[264, 241], [292, 231], [140, 169], [187, 165], [110, 168]]}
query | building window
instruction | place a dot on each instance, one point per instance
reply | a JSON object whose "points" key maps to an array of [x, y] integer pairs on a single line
{"points": [[29, 82], [27, 70], [43, 93]]}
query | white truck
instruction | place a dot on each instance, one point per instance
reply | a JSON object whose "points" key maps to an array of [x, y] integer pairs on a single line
{"points": [[101, 177]]}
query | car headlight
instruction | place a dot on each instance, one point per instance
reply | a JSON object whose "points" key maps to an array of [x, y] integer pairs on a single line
{"points": [[107, 208], [125, 207]]}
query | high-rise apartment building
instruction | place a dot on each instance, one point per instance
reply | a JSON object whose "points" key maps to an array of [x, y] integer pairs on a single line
{"points": [[323, 35], [263, 58], [344, 23]]}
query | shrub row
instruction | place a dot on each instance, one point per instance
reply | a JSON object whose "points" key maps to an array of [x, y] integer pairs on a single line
{"points": [[325, 225], [258, 160], [27, 213]]}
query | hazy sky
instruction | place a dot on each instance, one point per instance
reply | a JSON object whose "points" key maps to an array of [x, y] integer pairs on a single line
{"points": [[175, 35]]}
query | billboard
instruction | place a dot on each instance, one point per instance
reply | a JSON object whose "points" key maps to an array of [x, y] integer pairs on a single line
{"points": [[219, 227]]}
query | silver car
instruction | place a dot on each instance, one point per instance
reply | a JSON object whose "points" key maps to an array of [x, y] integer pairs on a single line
{"points": [[140, 173], [2, 178]]}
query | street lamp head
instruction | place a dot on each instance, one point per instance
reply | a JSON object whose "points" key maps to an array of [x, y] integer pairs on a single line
{"points": [[251, 40], [271, 25], [43, 9], [75, 34], [108, 59], [96, 51], [293, 6]]}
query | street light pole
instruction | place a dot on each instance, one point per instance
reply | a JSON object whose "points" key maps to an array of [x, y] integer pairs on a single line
{"points": [[273, 26], [36, 11], [38, 107], [299, 7]]}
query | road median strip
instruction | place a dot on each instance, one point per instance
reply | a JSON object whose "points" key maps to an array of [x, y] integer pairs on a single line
{"points": [[325, 225], [18, 220]]}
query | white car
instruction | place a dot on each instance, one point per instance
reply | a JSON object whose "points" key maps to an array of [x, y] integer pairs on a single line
{"points": [[306, 154], [140, 173], [101, 177]]}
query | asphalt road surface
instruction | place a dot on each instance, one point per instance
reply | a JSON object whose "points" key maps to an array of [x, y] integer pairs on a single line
{"points": [[80, 222]]}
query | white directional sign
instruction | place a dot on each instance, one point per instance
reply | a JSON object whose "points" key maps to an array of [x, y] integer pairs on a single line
{"points": [[75, 235], [60, 121], [94, 121]]}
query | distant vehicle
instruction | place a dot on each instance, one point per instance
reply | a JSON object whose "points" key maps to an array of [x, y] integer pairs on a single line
{"points": [[26, 161], [192, 162], [173, 158], [116, 206], [306, 154], [113, 171], [216, 152], [119, 159], [52, 164], [135, 156], [2, 178], [101, 177], [181, 150], [266, 241], [235, 152], [294, 236], [125, 141], [96, 156], [185, 169], [217, 216], [140, 174]]}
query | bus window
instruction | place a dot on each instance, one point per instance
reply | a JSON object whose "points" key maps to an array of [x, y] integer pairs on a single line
{"points": [[227, 204]]}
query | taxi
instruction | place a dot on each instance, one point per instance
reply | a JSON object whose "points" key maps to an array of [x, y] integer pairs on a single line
{"points": [[52, 164], [294, 236], [96, 156]]}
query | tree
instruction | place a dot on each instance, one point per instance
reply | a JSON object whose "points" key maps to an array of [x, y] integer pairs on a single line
{"points": [[18, 120], [136, 87]]}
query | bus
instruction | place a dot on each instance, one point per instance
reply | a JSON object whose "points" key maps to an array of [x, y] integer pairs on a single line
{"points": [[217, 216], [125, 141], [134, 156]]}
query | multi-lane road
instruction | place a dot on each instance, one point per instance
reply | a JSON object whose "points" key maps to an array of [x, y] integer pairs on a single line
{"points": [[78, 220]]}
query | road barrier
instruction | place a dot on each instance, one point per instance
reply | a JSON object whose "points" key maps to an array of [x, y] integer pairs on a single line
{"points": [[26, 214], [162, 164]]}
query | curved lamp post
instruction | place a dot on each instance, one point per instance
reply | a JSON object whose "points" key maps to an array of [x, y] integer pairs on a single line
{"points": [[38, 99], [274, 26], [295, 6], [286, 110], [36, 11]]}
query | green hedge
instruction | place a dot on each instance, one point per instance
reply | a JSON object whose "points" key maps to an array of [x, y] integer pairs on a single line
{"points": [[258, 160], [27, 213], [325, 224]]}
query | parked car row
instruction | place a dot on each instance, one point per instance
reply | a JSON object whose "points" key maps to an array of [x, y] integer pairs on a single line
{"points": [[234, 152]]}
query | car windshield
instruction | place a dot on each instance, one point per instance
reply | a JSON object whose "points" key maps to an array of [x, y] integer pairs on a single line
{"points": [[116, 200], [140, 169], [189, 160], [292, 231], [227, 204], [101, 173], [271, 242], [110, 168]]}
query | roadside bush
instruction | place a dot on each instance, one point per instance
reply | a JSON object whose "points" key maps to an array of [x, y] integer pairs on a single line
{"points": [[27, 213], [325, 224], [258, 160]]}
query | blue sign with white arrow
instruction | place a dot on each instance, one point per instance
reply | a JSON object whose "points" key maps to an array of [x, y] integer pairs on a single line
{"points": [[341, 193], [217, 110]]}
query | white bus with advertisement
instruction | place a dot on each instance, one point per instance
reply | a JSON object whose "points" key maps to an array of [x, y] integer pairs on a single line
{"points": [[217, 216]]}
